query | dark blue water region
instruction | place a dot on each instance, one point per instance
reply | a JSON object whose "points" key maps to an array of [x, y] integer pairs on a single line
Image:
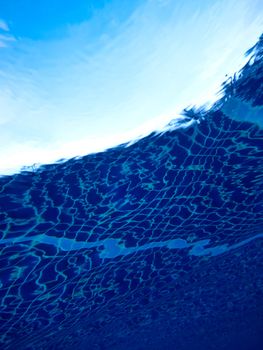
{"points": [[153, 246]]}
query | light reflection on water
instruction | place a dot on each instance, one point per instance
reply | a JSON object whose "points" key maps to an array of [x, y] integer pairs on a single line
{"points": [[95, 77]]}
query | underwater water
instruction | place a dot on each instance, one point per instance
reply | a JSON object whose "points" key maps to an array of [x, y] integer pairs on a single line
{"points": [[153, 245]]}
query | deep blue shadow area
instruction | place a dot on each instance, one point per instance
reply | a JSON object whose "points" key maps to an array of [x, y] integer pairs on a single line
{"points": [[155, 245]]}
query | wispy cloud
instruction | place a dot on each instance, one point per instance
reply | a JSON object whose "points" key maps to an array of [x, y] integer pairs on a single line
{"points": [[5, 36], [4, 26], [5, 40]]}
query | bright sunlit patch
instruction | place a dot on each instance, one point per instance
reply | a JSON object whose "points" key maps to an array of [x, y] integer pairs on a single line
{"points": [[114, 75]]}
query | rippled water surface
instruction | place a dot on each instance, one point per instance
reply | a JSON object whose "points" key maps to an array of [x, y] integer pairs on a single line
{"points": [[152, 244]]}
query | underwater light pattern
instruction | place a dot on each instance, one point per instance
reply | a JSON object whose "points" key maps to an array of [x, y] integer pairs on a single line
{"points": [[154, 245]]}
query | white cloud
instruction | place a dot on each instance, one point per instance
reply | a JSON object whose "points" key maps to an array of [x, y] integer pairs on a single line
{"points": [[4, 26], [6, 37]]}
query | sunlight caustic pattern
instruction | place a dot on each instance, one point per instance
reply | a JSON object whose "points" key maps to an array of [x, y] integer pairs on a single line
{"points": [[152, 244], [80, 235]]}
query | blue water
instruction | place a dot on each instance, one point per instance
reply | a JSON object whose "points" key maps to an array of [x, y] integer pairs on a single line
{"points": [[155, 245]]}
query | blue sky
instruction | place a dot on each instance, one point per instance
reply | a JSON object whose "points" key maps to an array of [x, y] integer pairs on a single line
{"points": [[80, 76]]}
